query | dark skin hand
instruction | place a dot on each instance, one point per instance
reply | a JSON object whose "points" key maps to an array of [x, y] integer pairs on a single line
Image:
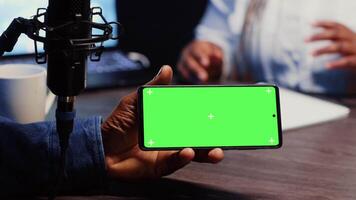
{"points": [[126, 161], [343, 42], [201, 62]]}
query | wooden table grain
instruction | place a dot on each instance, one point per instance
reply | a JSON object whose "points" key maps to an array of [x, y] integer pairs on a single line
{"points": [[316, 162]]}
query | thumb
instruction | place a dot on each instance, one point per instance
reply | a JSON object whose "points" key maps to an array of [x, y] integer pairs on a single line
{"points": [[164, 76], [169, 162]]}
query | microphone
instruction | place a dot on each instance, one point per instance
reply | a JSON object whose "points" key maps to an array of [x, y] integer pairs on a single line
{"points": [[68, 42], [66, 72], [66, 62]]}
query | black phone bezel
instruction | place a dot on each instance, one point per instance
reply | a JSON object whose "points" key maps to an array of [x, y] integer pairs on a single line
{"points": [[140, 119]]}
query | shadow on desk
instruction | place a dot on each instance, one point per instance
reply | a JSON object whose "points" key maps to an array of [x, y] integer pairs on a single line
{"points": [[162, 189]]}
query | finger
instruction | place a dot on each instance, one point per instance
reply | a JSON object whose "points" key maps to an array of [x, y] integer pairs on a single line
{"points": [[195, 69], [333, 34], [171, 162], [201, 56], [328, 24], [183, 71], [216, 63], [216, 155], [209, 156], [217, 53], [201, 51], [208, 55], [336, 47], [348, 62], [163, 77]]}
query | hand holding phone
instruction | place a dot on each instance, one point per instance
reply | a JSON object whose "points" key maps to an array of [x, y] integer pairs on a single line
{"points": [[124, 159], [205, 117]]}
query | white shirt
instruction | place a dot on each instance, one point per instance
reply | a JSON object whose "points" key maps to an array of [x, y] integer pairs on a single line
{"points": [[279, 54]]}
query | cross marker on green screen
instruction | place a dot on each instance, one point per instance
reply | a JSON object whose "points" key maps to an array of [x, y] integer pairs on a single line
{"points": [[151, 142], [149, 92], [211, 116], [271, 141]]}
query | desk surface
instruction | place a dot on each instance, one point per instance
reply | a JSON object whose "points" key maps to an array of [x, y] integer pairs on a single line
{"points": [[317, 162]]}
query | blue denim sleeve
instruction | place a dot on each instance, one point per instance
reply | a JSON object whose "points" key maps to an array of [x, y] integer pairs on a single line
{"points": [[29, 156]]}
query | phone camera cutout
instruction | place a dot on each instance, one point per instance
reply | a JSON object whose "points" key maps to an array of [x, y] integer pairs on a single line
{"points": [[273, 115]]}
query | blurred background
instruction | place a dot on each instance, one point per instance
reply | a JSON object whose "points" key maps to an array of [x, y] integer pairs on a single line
{"points": [[159, 29], [275, 41]]}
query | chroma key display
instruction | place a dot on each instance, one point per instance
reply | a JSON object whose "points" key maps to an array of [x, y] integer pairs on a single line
{"points": [[229, 117]]}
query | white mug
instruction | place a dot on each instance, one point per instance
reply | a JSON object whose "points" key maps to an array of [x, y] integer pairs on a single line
{"points": [[24, 97]]}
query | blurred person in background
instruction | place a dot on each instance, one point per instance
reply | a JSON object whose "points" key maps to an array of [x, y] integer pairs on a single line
{"points": [[306, 45]]}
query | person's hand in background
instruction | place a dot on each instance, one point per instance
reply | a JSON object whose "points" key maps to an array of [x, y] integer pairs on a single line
{"points": [[125, 160], [201, 62], [343, 42]]}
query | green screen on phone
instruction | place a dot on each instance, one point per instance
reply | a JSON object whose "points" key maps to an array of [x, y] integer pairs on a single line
{"points": [[175, 117]]}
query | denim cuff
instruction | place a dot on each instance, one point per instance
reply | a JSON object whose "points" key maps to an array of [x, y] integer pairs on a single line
{"points": [[85, 161]]}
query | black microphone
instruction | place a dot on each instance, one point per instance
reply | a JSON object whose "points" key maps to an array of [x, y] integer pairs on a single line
{"points": [[66, 71], [67, 62], [69, 40]]}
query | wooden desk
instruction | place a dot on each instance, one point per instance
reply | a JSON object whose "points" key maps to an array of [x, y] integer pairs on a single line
{"points": [[317, 162]]}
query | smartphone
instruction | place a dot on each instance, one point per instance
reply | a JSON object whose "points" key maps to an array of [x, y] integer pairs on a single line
{"points": [[204, 117]]}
